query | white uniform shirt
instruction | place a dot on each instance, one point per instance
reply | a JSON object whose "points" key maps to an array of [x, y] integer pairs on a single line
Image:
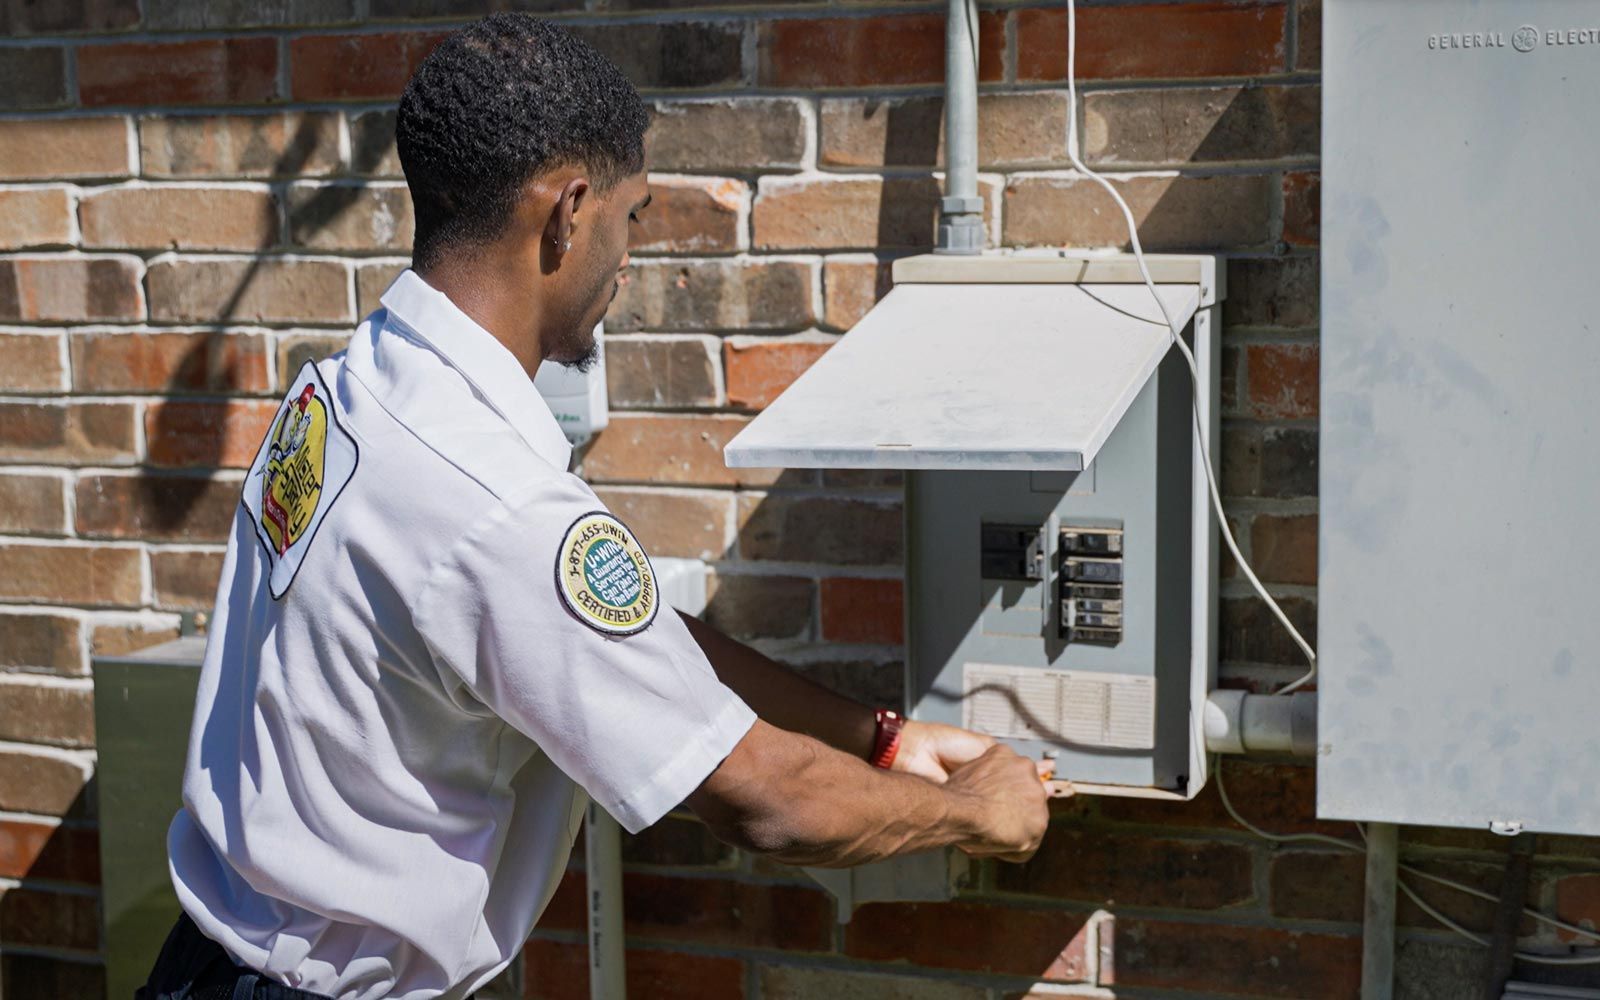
{"points": [[429, 643]]}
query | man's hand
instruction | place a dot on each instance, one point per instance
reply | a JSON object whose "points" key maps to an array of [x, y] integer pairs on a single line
{"points": [[1009, 804], [930, 750]]}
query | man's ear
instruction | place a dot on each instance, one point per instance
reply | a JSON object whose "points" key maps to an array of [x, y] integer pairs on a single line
{"points": [[562, 220]]}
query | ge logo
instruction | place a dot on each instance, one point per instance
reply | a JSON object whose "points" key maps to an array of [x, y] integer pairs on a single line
{"points": [[1525, 38]]}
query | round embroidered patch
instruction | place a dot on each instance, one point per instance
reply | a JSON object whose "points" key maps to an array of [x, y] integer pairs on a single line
{"points": [[604, 576]]}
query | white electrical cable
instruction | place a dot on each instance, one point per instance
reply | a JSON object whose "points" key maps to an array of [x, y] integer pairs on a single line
{"points": [[1177, 339], [1350, 845]]}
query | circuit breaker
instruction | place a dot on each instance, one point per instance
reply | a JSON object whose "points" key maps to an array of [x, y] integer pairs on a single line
{"points": [[1060, 554]]}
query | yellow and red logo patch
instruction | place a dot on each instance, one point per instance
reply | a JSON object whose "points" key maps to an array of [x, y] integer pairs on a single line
{"points": [[605, 577]]}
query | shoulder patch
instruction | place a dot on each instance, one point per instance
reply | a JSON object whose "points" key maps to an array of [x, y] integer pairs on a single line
{"points": [[604, 576], [302, 467]]}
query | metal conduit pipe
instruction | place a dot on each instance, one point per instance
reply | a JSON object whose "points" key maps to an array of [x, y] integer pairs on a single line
{"points": [[603, 858], [961, 211], [1377, 927]]}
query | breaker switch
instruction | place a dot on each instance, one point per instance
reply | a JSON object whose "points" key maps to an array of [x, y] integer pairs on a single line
{"points": [[1012, 552], [1090, 585]]}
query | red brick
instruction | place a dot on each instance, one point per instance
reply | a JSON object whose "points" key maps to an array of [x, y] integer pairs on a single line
{"points": [[658, 55], [67, 432], [758, 369], [206, 435], [50, 712], [834, 530], [33, 76], [32, 505], [1014, 130], [1320, 885], [35, 217], [361, 217], [49, 784], [707, 911], [748, 606], [1248, 631], [860, 680], [201, 361], [179, 218], [1279, 798], [851, 287], [680, 840], [1155, 41], [260, 290], [70, 574], [118, 636], [1178, 125], [40, 917], [780, 982], [345, 67], [1043, 944], [559, 970], [691, 215], [70, 289], [826, 213], [35, 641], [1308, 36], [295, 350], [1279, 292], [713, 295], [1269, 462], [1118, 868], [62, 148], [1283, 380], [727, 135], [185, 581], [662, 450], [1255, 961], [202, 71], [889, 51], [30, 849], [69, 16], [157, 508], [689, 524], [286, 143], [372, 280], [31, 362], [1302, 208], [863, 610], [661, 372], [1283, 549], [1578, 902], [1232, 210]]}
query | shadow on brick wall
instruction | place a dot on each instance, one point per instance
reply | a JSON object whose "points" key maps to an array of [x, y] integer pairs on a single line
{"points": [[55, 909]]}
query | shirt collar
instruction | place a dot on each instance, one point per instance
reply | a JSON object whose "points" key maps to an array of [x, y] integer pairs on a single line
{"points": [[430, 316]]}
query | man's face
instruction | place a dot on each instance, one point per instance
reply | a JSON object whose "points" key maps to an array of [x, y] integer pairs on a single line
{"points": [[589, 273]]}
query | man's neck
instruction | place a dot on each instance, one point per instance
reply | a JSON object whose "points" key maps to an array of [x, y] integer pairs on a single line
{"points": [[477, 290]]}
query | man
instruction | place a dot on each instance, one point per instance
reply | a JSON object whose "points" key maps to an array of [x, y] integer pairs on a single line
{"points": [[432, 643]]}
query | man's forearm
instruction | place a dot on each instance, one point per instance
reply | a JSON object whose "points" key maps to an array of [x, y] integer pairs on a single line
{"points": [[782, 697]]}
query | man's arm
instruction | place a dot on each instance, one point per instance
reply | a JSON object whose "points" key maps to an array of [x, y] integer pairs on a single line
{"points": [[786, 700], [788, 796]]}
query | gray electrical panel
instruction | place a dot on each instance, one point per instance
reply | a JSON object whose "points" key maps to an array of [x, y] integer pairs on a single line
{"points": [[1460, 553], [1061, 556]]}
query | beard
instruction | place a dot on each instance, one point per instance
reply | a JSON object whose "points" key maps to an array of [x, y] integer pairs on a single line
{"points": [[584, 362]]}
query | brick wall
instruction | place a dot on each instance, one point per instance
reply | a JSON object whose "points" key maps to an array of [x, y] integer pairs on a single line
{"points": [[196, 196]]}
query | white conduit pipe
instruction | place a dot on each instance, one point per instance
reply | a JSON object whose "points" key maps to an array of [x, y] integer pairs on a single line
{"points": [[1236, 722], [603, 866]]}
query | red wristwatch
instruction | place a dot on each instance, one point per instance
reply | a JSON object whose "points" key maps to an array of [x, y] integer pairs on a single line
{"points": [[887, 742]]}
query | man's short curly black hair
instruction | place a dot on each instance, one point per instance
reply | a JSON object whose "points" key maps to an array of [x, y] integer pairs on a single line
{"points": [[498, 103]]}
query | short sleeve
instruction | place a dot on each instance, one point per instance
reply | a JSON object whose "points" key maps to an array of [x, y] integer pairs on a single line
{"points": [[630, 710]]}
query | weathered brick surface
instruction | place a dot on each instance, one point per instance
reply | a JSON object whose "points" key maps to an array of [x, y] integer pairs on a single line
{"points": [[1274, 292], [848, 212], [343, 67], [70, 574], [70, 289], [289, 143], [161, 508], [713, 295], [1283, 380], [1256, 961], [51, 712], [689, 524], [1200, 125], [49, 431], [179, 15], [1302, 208], [1232, 210], [263, 290], [1277, 462], [1283, 549], [841, 531], [179, 218], [799, 983], [199, 71], [672, 55], [70, 16], [850, 287], [1101, 866], [870, 51], [63, 148], [676, 450], [32, 504], [117, 637], [372, 147], [34, 640], [863, 610], [30, 849], [372, 280], [865, 681], [41, 917], [38, 976], [759, 368], [185, 581], [1014, 130], [294, 350], [691, 215], [365, 218], [1247, 632], [727, 135], [169, 362], [558, 970], [31, 362], [747, 606], [35, 217], [1042, 944], [1155, 41], [206, 435], [33, 77], [662, 372]]}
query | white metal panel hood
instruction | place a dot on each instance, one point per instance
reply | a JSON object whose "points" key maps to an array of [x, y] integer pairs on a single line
{"points": [[990, 364]]}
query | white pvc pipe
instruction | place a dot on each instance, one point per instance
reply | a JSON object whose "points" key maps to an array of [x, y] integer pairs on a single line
{"points": [[603, 862], [1377, 930], [1236, 722]]}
